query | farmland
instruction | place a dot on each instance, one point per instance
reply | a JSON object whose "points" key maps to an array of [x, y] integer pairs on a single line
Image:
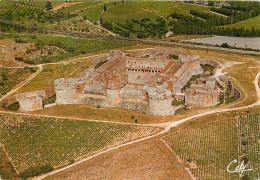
{"points": [[142, 160], [207, 146], [164, 8], [59, 48], [60, 141], [247, 24], [9, 78]]}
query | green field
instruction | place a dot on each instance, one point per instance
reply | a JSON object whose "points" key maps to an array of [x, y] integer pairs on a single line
{"points": [[9, 78], [247, 24], [80, 7], [165, 8], [57, 142], [124, 12], [93, 14], [208, 148]]}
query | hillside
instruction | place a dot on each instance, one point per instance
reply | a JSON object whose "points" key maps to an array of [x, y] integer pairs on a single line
{"points": [[247, 24]]}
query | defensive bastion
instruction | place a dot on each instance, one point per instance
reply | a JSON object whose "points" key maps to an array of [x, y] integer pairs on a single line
{"points": [[145, 81]]}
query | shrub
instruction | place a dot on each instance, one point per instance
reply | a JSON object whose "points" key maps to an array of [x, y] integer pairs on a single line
{"points": [[19, 58], [33, 37], [245, 159], [225, 45], [98, 106], [245, 177], [244, 143], [173, 56]]}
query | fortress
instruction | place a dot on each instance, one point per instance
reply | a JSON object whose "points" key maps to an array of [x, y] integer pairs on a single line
{"points": [[145, 81]]}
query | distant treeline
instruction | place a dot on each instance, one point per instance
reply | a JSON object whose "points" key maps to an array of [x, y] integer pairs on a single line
{"points": [[196, 22]]}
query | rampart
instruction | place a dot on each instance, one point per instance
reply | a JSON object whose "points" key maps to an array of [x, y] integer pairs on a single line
{"points": [[29, 101]]}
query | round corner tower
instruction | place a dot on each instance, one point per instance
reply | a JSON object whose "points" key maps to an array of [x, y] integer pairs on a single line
{"points": [[159, 102]]}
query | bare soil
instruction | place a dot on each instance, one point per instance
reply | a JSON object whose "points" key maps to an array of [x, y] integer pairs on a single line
{"points": [[65, 5], [9, 49], [145, 160]]}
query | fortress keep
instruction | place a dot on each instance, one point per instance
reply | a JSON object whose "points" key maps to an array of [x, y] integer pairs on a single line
{"points": [[145, 81]]}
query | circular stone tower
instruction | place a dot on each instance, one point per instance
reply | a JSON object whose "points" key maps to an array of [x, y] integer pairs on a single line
{"points": [[159, 101]]}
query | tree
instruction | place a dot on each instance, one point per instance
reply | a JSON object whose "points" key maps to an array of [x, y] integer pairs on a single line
{"points": [[48, 5], [105, 7]]}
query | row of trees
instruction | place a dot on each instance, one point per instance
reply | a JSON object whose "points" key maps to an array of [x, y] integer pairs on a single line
{"points": [[140, 28]]}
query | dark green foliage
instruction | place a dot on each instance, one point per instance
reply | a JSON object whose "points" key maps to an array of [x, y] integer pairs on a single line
{"points": [[225, 45], [244, 143], [207, 67], [100, 64], [105, 7], [219, 85], [245, 159], [35, 171], [181, 110], [49, 100], [48, 5], [245, 177], [177, 103], [32, 70], [19, 58], [173, 56], [13, 107]]}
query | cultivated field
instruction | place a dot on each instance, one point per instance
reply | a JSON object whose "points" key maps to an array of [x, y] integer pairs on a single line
{"points": [[207, 145], [146, 160], [9, 78], [248, 24], [59, 142], [165, 8], [46, 49]]}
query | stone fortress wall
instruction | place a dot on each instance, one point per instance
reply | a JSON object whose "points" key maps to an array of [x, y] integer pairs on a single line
{"points": [[29, 101], [146, 81]]}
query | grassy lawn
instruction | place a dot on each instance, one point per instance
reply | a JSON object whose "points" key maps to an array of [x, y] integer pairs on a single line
{"points": [[59, 141], [208, 144], [247, 24]]}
